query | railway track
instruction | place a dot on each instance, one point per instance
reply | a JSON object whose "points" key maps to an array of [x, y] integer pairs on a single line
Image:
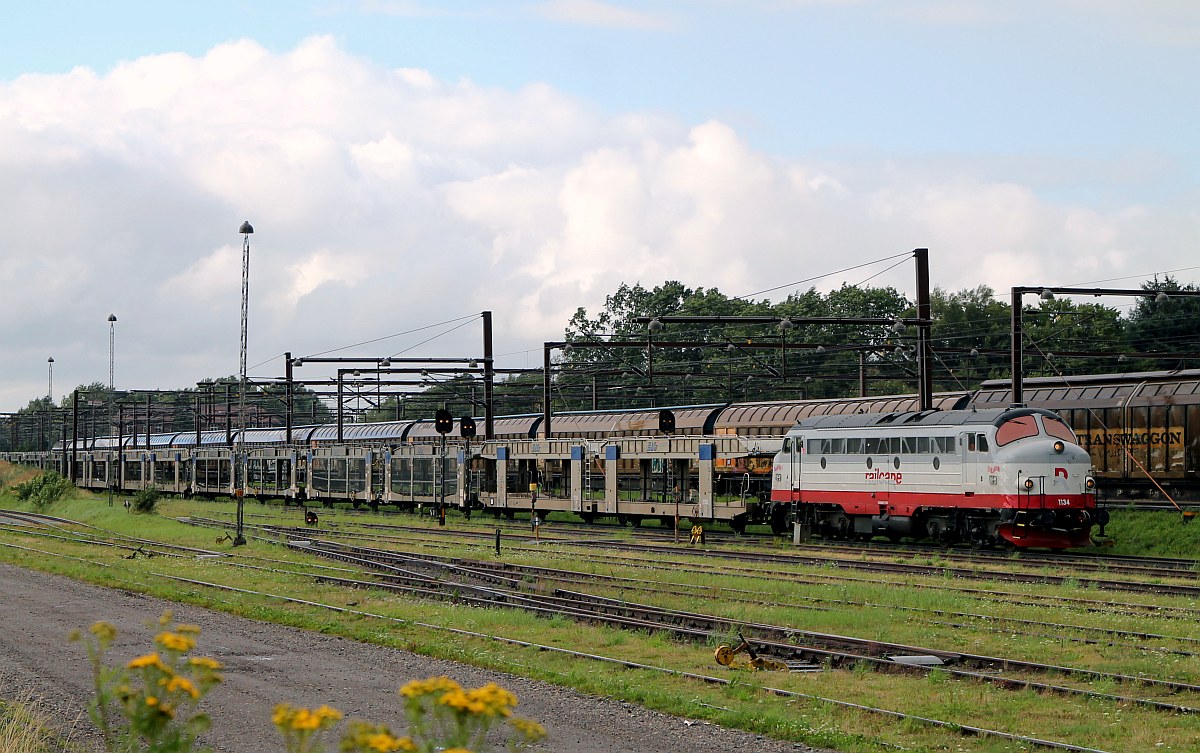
{"points": [[975, 621], [669, 616]]}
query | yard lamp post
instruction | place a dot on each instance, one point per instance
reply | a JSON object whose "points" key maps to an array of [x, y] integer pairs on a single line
{"points": [[112, 341], [240, 464], [50, 379]]}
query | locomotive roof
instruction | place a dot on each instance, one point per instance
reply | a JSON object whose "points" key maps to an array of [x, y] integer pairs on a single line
{"points": [[910, 419]]}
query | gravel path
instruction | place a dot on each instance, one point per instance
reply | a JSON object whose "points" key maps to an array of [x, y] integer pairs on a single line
{"points": [[266, 664]]}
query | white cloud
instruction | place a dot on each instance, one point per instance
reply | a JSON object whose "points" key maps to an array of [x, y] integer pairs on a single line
{"points": [[594, 13], [387, 200]]}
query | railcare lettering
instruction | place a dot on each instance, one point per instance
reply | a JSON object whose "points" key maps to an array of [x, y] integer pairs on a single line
{"points": [[879, 474], [1151, 437]]}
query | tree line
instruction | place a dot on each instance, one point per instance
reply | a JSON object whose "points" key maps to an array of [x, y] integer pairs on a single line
{"points": [[707, 363]]}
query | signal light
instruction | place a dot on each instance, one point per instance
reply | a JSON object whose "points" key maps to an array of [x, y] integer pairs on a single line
{"points": [[666, 421], [466, 427], [443, 422]]}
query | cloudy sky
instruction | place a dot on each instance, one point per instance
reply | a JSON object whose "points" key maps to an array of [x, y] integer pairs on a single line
{"points": [[408, 164]]}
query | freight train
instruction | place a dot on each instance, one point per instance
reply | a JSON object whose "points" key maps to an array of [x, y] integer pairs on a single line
{"points": [[718, 464]]}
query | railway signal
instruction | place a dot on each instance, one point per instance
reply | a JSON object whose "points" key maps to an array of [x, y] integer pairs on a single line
{"points": [[466, 427], [666, 421]]}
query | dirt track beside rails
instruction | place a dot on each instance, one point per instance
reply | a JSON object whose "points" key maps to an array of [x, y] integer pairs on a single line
{"points": [[266, 664]]}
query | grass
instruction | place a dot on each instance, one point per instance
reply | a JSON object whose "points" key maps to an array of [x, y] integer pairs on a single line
{"points": [[1158, 533], [776, 600], [26, 728]]}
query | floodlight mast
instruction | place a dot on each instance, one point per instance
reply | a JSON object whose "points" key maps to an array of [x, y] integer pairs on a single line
{"points": [[240, 466]]}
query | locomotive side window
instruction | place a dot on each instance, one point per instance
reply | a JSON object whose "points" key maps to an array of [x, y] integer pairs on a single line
{"points": [[908, 445], [838, 446], [854, 445], [872, 445], [922, 445], [1056, 428], [814, 447], [983, 443], [971, 443], [1016, 428]]}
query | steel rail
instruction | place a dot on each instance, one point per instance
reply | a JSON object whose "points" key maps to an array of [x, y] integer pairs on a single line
{"points": [[699, 626]]}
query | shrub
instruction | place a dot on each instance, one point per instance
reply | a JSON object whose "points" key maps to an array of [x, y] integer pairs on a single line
{"points": [[146, 500], [43, 490]]}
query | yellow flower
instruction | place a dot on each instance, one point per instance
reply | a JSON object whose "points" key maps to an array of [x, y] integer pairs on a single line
{"points": [[188, 629], [151, 700], [149, 660], [499, 702], [182, 683], [303, 719], [418, 688], [104, 631], [529, 729], [328, 714], [382, 742], [175, 642], [203, 662], [406, 744], [456, 699], [165, 618], [283, 713], [456, 750]]}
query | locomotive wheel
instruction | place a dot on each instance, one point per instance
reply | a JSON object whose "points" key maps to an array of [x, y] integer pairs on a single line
{"points": [[779, 521]]}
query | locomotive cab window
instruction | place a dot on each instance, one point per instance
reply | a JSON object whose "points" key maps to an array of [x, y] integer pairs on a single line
{"points": [[787, 444], [1058, 429], [1016, 428], [983, 443]]}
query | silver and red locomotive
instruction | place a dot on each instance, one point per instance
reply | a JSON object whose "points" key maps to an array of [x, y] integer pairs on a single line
{"points": [[1013, 477]]}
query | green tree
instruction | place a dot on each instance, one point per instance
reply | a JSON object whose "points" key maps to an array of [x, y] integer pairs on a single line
{"points": [[1164, 325]]}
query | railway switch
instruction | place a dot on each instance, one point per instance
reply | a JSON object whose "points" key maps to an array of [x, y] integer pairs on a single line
{"points": [[725, 657]]}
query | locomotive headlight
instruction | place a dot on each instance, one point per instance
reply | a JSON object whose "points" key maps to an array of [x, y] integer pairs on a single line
{"points": [[1059, 447], [1028, 483], [1089, 483]]}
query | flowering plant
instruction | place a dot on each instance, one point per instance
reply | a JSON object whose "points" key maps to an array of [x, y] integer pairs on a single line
{"points": [[442, 716], [150, 704]]}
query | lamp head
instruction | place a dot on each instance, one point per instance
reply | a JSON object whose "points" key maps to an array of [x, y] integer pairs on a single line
{"points": [[246, 228]]}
